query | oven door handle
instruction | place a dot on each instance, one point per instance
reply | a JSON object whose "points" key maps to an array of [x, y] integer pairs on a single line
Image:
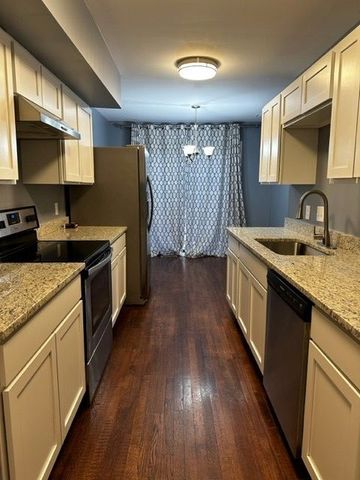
{"points": [[99, 265]]}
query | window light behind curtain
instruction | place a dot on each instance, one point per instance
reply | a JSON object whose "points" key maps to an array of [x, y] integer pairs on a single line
{"points": [[193, 202]]}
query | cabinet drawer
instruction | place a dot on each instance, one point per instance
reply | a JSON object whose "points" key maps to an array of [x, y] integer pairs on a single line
{"points": [[234, 245], [254, 265], [118, 245], [16, 352], [337, 345]]}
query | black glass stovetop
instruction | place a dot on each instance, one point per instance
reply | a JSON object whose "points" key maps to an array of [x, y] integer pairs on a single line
{"points": [[83, 251]]}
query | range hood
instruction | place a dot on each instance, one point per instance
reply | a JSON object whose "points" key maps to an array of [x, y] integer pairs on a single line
{"points": [[33, 122]]}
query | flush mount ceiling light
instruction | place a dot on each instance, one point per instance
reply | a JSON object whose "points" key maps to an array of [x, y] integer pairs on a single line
{"points": [[197, 68]]}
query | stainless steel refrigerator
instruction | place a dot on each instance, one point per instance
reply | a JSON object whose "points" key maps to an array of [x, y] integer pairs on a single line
{"points": [[121, 195]]}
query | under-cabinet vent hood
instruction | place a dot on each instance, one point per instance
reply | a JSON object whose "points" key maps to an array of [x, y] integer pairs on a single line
{"points": [[33, 122]]}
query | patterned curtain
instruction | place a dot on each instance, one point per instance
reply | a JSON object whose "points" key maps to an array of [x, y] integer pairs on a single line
{"points": [[195, 201]]}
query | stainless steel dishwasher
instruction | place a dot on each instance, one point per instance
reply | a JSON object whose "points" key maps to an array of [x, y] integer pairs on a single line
{"points": [[286, 351]]}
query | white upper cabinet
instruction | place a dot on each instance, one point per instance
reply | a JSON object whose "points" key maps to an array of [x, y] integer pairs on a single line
{"points": [[317, 83], [8, 153], [270, 142], [312, 89], [27, 74], [86, 151], [291, 101], [286, 156], [344, 146], [51, 93], [55, 162], [71, 158], [35, 82]]}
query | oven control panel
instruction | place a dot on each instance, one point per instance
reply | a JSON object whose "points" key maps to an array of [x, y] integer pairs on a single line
{"points": [[17, 220]]}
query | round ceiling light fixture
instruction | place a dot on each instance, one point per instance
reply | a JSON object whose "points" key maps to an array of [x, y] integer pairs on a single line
{"points": [[197, 68]]}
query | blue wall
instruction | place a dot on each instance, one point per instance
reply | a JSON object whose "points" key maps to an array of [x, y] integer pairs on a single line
{"points": [[265, 205], [105, 134]]}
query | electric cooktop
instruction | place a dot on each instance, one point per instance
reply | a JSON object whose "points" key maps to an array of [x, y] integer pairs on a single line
{"points": [[19, 243]]}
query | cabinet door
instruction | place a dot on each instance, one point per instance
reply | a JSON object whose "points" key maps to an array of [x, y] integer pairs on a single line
{"points": [[71, 157], [265, 143], [71, 366], [317, 83], [86, 145], [243, 310], [27, 74], [51, 93], [357, 150], [331, 440], [31, 410], [345, 107], [291, 101], [257, 330], [8, 154], [122, 277], [231, 280], [115, 286], [273, 171]]}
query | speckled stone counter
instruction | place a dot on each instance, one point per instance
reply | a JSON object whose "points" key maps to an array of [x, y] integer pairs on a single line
{"points": [[331, 281], [82, 233], [26, 287]]}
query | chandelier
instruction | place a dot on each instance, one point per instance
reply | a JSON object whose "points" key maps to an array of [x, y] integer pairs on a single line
{"points": [[192, 151]]}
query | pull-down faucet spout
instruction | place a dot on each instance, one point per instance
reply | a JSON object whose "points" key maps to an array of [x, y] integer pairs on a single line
{"points": [[326, 235]]}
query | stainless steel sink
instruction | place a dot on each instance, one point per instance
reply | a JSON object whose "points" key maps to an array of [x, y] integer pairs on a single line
{"points": [[290, 247]]}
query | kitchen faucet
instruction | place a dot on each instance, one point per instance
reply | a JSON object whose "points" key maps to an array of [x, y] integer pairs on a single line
{"points": [[326, 234]]}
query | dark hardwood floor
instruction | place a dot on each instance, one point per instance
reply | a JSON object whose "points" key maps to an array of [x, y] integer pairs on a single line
{"points": [[181, 398]]}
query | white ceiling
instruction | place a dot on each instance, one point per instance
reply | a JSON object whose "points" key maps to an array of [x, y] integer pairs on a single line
{"points": [[262, 45]]}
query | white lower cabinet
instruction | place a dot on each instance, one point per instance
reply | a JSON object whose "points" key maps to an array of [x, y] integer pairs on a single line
{"points": [[331, 443], [331, 439], [243, 310], [118, 276], [70, 366], [43, 379], [257, 321], [247, 296], [115, 277], [122, 276], [32, 419], [231, 280]]}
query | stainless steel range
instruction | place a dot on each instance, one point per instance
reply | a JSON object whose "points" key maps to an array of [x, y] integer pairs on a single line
{"points": [[18, 243]]}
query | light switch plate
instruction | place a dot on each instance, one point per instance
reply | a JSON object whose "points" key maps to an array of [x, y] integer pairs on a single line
{"points": [[320, 213], [307, 212]]}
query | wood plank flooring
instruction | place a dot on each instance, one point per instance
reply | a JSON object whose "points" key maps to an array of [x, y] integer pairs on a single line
{"points": [[181, 398]]}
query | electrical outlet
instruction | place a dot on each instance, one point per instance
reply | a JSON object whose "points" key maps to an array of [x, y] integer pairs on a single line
{"points": [[307, 212], [56, 208], [320, 213]]}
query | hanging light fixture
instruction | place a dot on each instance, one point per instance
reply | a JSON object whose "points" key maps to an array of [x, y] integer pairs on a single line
{"points": [[197, 68], [192, 151]]}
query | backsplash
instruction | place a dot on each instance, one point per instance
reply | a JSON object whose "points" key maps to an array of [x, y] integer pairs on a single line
{"points": [[338, 239], [46, 228], [43, 196], [343, 195]]}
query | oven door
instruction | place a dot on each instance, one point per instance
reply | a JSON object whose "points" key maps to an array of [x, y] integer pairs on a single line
{"points": [[98, 301]]}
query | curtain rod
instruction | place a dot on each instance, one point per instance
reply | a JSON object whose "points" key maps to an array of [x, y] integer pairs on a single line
{"points": [[189, 125]]}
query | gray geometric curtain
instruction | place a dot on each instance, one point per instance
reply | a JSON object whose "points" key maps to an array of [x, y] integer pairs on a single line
{"points": [[195, 201]]}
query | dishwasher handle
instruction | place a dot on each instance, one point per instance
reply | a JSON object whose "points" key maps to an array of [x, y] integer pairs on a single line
{"points": [[295, 299]]}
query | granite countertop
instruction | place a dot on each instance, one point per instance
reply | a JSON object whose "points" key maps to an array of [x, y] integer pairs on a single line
{"points": [[26, 287], [82, 233], [331, 281]]}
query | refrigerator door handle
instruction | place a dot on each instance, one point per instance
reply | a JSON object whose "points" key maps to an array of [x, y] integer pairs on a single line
{"points": [[150, 217]]}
